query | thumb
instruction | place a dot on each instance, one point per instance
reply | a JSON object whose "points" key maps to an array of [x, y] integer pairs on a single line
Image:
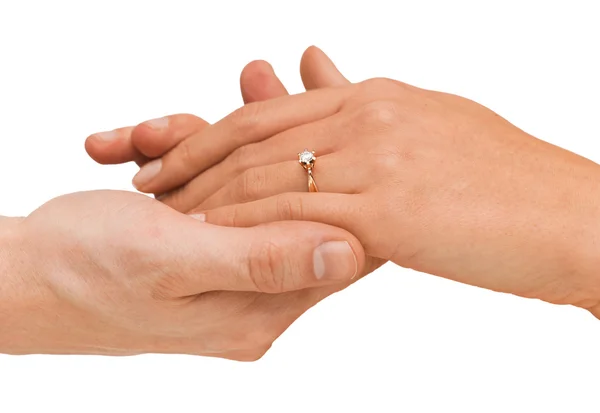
{"points": [[271, 258], [317, 70]]}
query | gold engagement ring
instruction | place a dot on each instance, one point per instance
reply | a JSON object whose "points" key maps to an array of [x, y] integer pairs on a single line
{"points": [[307, 160]]}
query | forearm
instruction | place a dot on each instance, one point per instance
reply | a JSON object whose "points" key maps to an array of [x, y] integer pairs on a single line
{"points": [[10, 249]]}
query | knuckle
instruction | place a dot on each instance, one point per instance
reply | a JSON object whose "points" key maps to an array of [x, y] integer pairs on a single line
{"points": [[382, 85], [389, 160], [250, 184], [266, 268], [388, 164], [378, 116], [289, 209], [227, 216], [378, 83], [186, 153], [239, 159], [245, 119]]}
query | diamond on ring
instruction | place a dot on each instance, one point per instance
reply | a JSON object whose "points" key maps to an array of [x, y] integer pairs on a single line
{"points": [[307, 158]]}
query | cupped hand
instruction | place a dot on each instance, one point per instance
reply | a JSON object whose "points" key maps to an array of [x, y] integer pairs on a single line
{"points": [[119, 273], [431, 181]]}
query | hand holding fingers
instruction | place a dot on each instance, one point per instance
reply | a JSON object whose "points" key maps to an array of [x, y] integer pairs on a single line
{"points": [[145, 278], [273, 258], [282, 268]]}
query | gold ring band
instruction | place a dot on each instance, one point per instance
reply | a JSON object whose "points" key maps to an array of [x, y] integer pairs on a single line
{"points": [[307, 160]]}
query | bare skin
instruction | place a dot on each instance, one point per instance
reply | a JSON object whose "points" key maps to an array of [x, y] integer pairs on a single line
{"points": [[428, 180], [119, 273]]}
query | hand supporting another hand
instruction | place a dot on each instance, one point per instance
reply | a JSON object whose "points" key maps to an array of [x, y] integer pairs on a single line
{"points": [[266, 315], [157, 137], [431, 181], [119, 273]]}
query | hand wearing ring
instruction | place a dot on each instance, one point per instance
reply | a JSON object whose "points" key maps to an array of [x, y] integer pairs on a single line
{"points": [[431, 181]]}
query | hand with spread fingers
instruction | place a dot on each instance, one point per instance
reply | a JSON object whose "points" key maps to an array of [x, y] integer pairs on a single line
{"points": [[428, 180]]}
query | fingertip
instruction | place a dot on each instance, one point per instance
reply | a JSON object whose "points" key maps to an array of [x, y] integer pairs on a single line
{"points": [[337, 247], [111, 147], [311, 54], [312, 50], [318, 70], [90, 147], [256, 68], [258, 81]]}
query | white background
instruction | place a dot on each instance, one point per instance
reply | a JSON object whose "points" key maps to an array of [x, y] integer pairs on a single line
{"points": [[396, 341]]}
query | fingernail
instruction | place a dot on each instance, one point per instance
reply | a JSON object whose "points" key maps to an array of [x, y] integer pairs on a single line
{"points": [[106, 136], [335, 260], [147, 173], [158, 123], [199, 217]]}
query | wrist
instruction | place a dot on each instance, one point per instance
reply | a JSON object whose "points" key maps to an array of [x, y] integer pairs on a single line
{"points": [[22, 298], [584, 245]]}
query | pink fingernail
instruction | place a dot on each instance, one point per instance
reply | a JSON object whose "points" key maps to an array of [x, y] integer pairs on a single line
{"points": [[158, 123], [107, 135], [199, 217], [335, 260], [147, 173]]}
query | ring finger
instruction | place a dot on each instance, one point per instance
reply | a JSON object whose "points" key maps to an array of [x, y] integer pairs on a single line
{"points": [[265, 181], [324, 137]]}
